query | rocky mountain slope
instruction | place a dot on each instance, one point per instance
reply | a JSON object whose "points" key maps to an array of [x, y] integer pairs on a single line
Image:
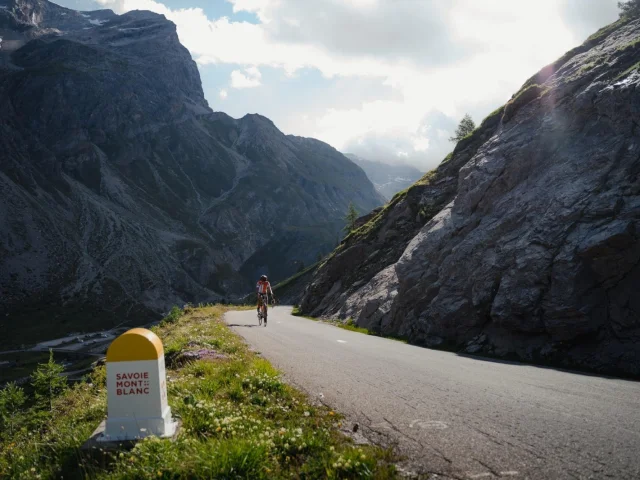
{"points": [[388, 179], [525, 241], [122, 193]]}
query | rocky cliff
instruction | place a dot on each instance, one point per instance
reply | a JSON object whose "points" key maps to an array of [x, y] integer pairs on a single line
{"points": [[122, 193], [388, 179], [525, 241]]}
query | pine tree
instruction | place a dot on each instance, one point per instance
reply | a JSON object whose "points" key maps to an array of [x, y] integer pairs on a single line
{"points": [[629, 9], [350, 218], [465, 127], [12, 398], [48, 381]]}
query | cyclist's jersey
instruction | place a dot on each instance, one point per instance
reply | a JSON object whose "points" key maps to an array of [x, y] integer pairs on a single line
{"points": [[263, 287]]}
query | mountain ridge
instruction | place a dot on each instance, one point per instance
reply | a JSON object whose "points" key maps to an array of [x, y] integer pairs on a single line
{"points": [[123, 193]]}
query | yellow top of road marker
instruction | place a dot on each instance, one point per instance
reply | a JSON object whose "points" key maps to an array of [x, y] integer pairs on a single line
{"points": [[135, 345]]}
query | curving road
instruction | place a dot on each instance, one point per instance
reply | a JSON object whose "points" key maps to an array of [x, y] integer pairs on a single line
{"points": [[458, 416]]}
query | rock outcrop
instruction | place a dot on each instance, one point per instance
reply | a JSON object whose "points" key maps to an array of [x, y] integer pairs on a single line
{"points": [[122, 192], [525, 241]]}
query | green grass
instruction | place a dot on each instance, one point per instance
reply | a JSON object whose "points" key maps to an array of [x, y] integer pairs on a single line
{"points": [[172, 316], [352, 327], [492, 116], [447, 158], [628, 71], [523, 98], [630, 46], [587, 67], [296, 312], [293, 278], [605, 31], [240, 420], [373, 224]]}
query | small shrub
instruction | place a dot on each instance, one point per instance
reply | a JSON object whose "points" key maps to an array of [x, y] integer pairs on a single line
{"points": [[48, 382], [350, 221], [172, 317], [629, 9], [465, 128], [12, 398], [188, 308]]}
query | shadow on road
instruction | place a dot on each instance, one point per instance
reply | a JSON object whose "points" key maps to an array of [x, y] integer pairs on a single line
{"points": [[549, 366], [247, 325]]}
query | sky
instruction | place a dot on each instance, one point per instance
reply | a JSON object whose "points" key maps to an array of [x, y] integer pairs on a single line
{"points": [[388, 80]]}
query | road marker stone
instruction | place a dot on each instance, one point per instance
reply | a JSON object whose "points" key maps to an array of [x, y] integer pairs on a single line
{"points": [[137, 404]]}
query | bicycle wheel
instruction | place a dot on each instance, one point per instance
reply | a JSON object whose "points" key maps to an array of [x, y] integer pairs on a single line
{"points": [[259, 318], [265, 314]]}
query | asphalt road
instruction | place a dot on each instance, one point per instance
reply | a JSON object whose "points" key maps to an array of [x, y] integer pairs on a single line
{"points": [[458, 416]]}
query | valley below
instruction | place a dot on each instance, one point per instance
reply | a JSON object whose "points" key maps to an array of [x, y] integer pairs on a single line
{"points": [[77, 352]]}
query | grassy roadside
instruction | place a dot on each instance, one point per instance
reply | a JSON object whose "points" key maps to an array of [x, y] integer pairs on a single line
{"points": [[297, 313], [349, 324], [239, 421]]}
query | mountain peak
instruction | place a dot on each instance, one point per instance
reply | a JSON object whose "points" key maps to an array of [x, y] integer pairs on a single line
{"points": [[257, 120], [47, 17], [125, 193]]}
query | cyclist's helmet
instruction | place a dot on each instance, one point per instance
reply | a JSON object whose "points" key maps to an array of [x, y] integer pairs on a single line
{"points": [[263, 278]]}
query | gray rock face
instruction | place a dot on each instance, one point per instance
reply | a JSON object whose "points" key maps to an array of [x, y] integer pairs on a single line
{"points": [[122, 193], [388, 179], [530, 243], [290, 291]]}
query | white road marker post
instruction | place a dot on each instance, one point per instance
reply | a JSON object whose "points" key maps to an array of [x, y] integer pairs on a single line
{"points": [[137, 404]]}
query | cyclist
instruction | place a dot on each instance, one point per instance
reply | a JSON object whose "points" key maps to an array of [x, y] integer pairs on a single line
{"points": [[263, 287]]}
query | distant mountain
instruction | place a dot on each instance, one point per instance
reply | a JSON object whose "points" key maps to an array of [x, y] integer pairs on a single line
{"points": [[122, 193], [388, 179]]}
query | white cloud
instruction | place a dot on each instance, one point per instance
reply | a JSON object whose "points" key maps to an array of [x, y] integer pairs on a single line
{"points": [[223, 94], [446, 58], [259, 7], [420, 144], [249, 79]]}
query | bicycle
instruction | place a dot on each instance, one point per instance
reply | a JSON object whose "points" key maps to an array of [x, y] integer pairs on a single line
{"points": [[262, 311], [264, 306]]}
